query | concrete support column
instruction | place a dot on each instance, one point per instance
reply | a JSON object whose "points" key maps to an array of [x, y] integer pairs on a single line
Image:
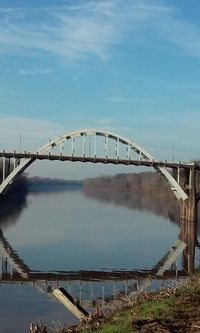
{"points": [[4, 169], [188, 222], [1, 267]]}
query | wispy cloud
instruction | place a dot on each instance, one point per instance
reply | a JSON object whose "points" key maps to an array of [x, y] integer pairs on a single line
{"points": [[117, 99], [33, 132], [30, 134], [94, 27], [69, 32], [27, 72]]}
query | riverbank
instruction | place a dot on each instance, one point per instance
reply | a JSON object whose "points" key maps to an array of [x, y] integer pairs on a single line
{"points": [[175, 309]]}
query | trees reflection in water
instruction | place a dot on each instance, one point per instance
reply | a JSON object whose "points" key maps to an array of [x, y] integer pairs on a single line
{"points": [[144, 191]]}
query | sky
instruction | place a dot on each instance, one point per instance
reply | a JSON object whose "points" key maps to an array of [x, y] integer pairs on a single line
{"points": [[128, 66]]}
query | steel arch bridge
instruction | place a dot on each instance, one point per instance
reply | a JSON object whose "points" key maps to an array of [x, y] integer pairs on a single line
{"points": [[87, 146]]}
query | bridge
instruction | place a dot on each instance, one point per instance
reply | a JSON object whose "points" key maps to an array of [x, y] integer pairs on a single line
{"points": [[96, 146]]}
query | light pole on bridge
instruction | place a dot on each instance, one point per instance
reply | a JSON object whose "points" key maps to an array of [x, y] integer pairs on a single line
{"points": [[173, 146], [20, 142]]}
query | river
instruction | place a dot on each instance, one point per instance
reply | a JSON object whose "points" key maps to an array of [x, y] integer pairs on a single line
{"points": [[69, 231]]}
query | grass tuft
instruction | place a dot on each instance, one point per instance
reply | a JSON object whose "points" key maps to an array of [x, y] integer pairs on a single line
{"points": [[157, 309]]}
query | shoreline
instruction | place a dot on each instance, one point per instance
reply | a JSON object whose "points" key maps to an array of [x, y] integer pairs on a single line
{"points": [[172, 309]]}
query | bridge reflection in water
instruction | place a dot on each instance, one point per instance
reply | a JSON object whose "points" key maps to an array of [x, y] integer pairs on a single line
{"points": [[91, 286]]}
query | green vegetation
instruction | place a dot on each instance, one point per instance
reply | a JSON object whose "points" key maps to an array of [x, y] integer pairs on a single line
{"points": [[156, 309], [112, 328], [122, 323]]}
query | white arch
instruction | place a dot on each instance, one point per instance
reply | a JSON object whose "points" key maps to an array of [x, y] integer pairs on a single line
{"points": [[175, 187]]}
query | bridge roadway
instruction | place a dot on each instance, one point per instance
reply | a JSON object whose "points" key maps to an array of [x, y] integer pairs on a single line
{"points": [[105, 160]]}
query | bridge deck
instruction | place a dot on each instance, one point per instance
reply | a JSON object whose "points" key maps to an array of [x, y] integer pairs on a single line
{"points": [[105, 160]]}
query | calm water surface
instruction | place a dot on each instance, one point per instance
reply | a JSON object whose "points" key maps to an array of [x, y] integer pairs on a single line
{"points": [[69, 231]]}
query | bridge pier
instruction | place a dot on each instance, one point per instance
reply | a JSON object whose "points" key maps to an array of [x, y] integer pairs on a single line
{"points": [[188, 220], [6, 168]]}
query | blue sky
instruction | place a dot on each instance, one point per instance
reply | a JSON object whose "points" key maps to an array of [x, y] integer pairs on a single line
{"points": [[129, 66]]}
